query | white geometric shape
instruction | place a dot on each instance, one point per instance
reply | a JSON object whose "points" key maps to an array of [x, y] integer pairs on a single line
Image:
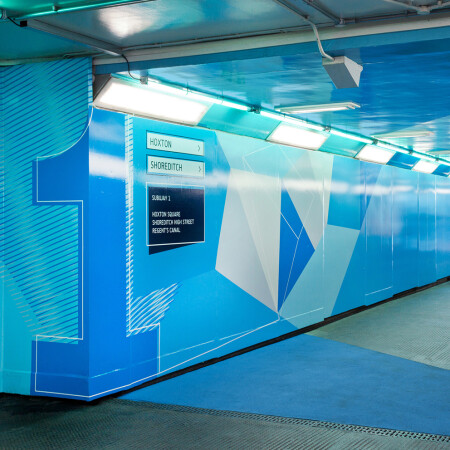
{"points": [[237, 148], [340, 243], [261, 200], [307, 294], [306, 193], [320, 282], [322, 165], [237, 257]]}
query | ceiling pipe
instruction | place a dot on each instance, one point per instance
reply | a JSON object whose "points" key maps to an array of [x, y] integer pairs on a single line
{"points": [[423, 9], [295, 10], [222, 37], [439, 5]]}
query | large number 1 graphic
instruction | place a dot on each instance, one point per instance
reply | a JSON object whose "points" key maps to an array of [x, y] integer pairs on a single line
{"points": [[102, 357], [60, 358]]}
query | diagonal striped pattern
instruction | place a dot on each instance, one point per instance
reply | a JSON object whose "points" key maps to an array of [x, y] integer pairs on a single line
{"points": [[130, 213], [143, 313], [147, 312], [40, 243], [2, 170]]}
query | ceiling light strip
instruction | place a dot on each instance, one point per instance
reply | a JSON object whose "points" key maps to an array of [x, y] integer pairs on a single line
{"points": [[374, 142], [404, 134], [303, 109], [297, 137], [414, 153], [132, 98], [375, 154], [425, 166], [192, 95]]}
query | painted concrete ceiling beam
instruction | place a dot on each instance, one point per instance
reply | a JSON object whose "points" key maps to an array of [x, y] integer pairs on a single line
{"points": [[68, 8], [324, 11], [293, 9], [220, 49], [97, 44]]}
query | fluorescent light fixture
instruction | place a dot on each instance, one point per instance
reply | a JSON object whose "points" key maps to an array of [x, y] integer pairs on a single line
{"points": [[297, 137], [425, 166], [353, 137], [375, 154], [396, 148], [303, 109], [404, 134], [123, 96]]}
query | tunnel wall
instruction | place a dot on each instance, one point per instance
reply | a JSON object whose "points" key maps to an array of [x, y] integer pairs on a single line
{"points": [[261, 240]]}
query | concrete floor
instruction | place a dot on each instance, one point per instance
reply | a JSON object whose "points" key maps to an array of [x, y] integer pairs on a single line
{"points": [[378, 379]]}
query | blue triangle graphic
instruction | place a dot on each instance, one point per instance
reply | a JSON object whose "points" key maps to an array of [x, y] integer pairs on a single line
{"points": [[295, 248]]}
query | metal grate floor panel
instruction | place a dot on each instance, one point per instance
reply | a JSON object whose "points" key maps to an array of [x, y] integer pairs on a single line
{"points": [[112, 423]]}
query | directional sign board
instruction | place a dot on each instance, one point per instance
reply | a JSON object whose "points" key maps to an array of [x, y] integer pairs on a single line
{"points": [[175, 167], [176, 215], [167, 143]]}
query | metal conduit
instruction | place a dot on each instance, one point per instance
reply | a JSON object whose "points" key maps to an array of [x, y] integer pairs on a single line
{"points": [[299, 13]]}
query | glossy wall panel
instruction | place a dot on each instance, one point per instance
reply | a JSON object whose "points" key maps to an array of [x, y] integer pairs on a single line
{"points": [[405, 230], [427, 229], [378, 230], [442, 228], [98, 295]]}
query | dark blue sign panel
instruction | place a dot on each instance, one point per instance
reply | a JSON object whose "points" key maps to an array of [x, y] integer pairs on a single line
{"points": [[176, 216]]}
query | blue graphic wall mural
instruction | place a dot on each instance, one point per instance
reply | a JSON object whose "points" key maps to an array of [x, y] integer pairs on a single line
{"points": [[123, 261], [44, 110]]}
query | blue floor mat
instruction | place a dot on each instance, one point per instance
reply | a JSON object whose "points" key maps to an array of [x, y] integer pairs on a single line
{"points": [[314, 378]]}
